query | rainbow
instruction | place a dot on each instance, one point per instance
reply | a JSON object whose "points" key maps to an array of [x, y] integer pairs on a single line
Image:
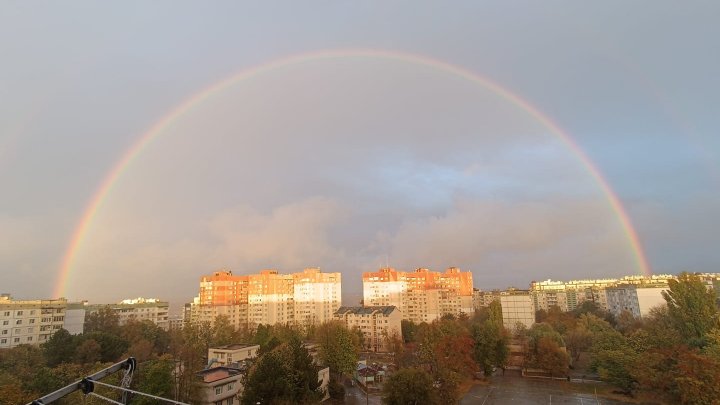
{"points": [[154, 132]]}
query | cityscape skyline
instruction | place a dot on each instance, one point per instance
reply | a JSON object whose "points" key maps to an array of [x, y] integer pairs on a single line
{"points": [[515, 145]]}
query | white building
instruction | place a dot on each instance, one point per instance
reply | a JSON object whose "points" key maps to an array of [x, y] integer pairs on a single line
{"points": [[378, 324], [517, 307], [29, 321], [229, 354], [138, 309]]}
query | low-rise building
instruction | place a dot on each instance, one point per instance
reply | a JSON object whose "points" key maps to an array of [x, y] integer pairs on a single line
{"points": [[220, 386], [229, 354], [378, 324]]}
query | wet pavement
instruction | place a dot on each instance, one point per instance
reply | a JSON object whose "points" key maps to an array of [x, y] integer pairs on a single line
{"points": [[508, 389]]}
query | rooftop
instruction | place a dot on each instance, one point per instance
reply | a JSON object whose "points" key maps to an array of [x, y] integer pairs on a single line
{"points": [[217, 373], [386, 310]]}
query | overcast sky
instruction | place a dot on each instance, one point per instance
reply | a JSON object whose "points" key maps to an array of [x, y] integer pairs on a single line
{"points": [[352, 162]]}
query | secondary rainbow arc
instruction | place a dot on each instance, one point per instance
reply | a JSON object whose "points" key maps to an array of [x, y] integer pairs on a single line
{"points": [[157, 129]]}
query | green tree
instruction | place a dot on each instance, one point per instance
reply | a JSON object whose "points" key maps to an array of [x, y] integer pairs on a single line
{"points": [[112, 346], [691, 307], [223, 332], [408, 330], [284, 375], [339, 347], [614, 359], [409, 386], [103, 320], [155, 377], [60, 348]]}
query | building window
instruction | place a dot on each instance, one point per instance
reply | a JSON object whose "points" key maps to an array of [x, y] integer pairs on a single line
{"points": [[32, 321], [7, 313], [16, 340], [3, 341], [230, 401], [5, 322], [19, 313], [218, 390], [29, 338], [230, 387], [18, 322]]}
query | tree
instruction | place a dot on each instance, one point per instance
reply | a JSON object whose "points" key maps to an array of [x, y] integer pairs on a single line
{"points": [[614, 359], [60, 348], [223, 332], [691, 307], [490, 346], [284, 375], [578, 340], [88, 352], [408, 330], [155, 378], [103, 320], [339, 347], [546, 349], [409, 386], [551, 356]]}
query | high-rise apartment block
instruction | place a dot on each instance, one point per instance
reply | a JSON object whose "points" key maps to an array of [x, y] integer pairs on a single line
{"points": [[29, 321], [378, 324], [422, 295], [305, 298]]}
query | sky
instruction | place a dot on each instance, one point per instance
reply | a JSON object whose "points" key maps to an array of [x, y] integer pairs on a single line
{"points": [[354, 143]]}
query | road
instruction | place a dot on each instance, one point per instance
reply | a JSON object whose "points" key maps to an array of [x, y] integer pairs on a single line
{"points": [[355, 396], [505, 390]]}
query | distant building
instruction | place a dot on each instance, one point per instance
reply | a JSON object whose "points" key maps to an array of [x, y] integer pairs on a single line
{"points": [[29, 321], [568, 295], [137, 309], [422, 295], [306, 298], [484, 298], [75, 318], [638, 300], [377, 324], [517, 307]]}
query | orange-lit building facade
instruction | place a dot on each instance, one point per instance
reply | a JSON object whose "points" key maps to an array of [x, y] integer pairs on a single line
{"points": [[304, 298], [421, 295]]}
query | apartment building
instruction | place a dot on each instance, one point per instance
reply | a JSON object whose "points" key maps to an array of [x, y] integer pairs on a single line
{"points": [[377, 323], [517, 308], [482, 299], [228, 354], [421, 295], [568, 295], [29, 321], [637, 299], [304, 298], [138, 309]]}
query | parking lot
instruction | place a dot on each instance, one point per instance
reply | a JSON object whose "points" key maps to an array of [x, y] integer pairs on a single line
{"points": [[508, 389]]}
